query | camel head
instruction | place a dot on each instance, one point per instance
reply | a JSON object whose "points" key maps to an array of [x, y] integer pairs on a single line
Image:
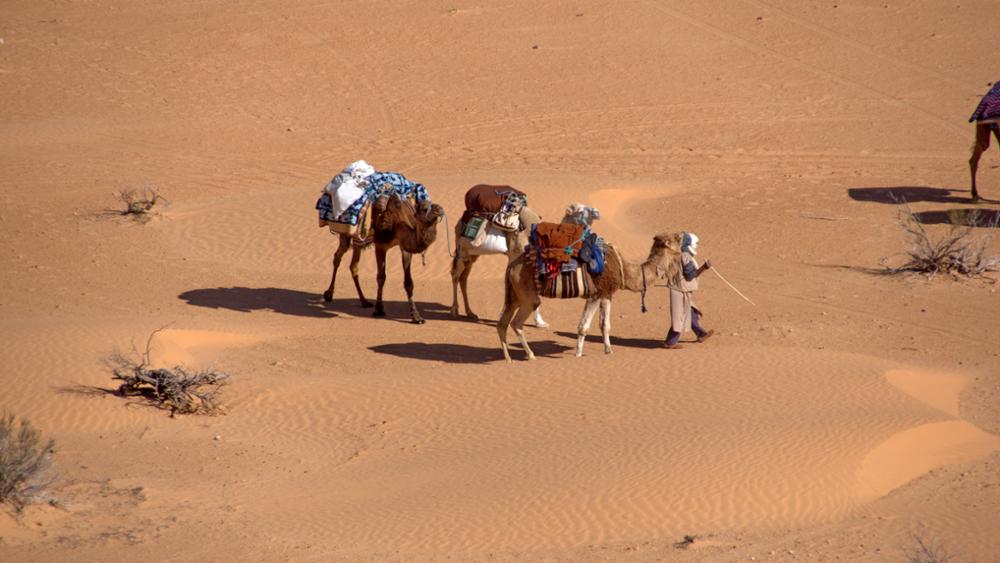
{"points": [[400, 210], [528, 217], [581, 214], [665, 254]]}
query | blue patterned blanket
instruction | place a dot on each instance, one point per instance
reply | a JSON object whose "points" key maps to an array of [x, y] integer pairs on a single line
{"points": [[377, 184]]}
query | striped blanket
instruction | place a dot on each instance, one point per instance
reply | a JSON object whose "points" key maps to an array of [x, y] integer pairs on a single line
{"points": [[989, 107], [571, 281]]}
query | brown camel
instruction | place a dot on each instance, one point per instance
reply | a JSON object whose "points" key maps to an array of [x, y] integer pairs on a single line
{"points": [[521, 295], [466, 254], [395, 222], [982, 143]]}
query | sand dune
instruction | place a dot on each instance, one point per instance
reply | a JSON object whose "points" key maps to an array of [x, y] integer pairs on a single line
{"points": [[836, 418]]}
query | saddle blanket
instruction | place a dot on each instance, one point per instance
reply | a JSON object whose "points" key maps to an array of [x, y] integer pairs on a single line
{"points": [[569, 283]]}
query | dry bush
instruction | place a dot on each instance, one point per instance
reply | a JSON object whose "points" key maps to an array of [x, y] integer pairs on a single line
{"points": [[957, 252], [24, 462], [926, 552], [176, 389], [140, 202]]}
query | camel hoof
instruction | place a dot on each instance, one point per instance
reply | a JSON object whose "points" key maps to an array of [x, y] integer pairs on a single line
{"points": [[472, 316], [328, 296], [608, 351], [378, 314], [418, 321], [542, 324], [367, 304]]}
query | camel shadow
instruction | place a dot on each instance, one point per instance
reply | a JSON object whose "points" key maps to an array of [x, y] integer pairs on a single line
{"points": [[303, 303], [909, 194], [462, 354], [616, 340], [971, 217], [247, 299]]}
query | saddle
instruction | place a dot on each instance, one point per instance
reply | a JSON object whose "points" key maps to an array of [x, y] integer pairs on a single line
{"points": [[558, 242], [500, 205]]}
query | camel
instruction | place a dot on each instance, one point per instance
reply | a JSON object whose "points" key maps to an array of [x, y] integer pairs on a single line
{"points": [[521, 295], [466, 254], [982, 143], [987, 119], [395, 222]]}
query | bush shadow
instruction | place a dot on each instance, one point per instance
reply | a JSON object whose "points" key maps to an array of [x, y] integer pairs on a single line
{"points": [[462, 354]]}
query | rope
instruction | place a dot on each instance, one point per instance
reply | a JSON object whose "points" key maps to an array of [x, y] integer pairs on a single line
{"points": [[732, 287], [447, 234]]}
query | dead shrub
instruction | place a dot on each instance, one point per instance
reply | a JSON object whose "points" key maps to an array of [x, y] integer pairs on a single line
{"points": [[927, 551], [176, 389], [139, 203], [957, 252], [24, 463]]}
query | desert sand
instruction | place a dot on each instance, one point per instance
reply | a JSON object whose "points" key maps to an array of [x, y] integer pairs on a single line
{"points": [[842, 417]]}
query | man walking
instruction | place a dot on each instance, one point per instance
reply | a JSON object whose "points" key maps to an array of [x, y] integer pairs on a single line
{"points": [[684, 314]]}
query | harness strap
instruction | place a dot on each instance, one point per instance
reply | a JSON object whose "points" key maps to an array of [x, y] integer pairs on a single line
{"points": [[642, 269]]}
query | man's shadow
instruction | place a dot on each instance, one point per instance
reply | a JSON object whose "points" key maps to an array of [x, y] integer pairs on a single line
{"points": [[302, 303]]}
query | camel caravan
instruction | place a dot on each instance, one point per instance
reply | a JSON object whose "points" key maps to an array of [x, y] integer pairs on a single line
{"points": [[562, 260]]}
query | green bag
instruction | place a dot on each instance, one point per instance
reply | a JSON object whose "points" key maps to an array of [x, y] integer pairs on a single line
{"points": [[473, 227]]}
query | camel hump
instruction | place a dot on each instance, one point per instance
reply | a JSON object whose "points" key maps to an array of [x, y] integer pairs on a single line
{"points": [[488, 198]]}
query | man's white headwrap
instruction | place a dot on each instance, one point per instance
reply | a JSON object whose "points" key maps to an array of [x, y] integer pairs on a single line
{"points": [[690, 244]]}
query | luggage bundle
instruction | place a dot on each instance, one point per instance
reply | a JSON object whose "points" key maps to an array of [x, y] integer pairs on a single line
{"points": [[491, 214], [559, 250], [345, 205]]}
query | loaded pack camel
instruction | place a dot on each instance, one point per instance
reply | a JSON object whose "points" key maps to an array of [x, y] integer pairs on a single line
{"points": [[521, 294], [395, 222], [466, 254], [987, 120]]}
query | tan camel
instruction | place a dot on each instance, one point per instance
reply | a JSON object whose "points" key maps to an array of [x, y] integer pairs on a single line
{"points": [[466, 254], [521, 295], [982, 143], [395, 222]]}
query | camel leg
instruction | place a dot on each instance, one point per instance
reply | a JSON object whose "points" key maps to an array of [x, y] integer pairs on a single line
{"points": [[408, 286], [978, 148], [355, 260], [581, 332], [380, 278], [457, 267], [464, 281], [606, 324], [539, 321], [518, 324], [502, 323], [337, 255]]}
